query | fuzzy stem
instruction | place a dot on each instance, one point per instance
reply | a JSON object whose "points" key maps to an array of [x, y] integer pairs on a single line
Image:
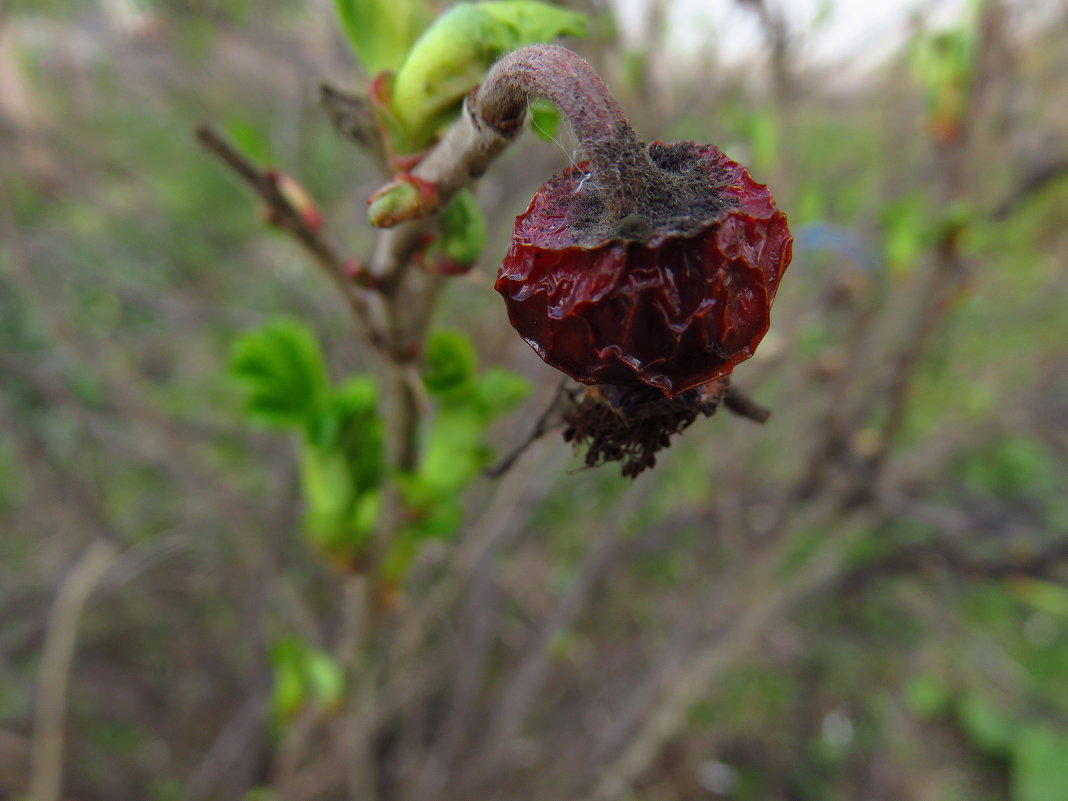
{"points": [[620, 164]]}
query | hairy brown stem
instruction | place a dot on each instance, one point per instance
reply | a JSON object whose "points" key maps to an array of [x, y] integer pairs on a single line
{"points": [[620, 165]]}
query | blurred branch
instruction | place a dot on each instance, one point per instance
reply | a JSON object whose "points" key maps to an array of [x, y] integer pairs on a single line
{"points": [[529, 677], [354, 118], [46, 777], [943, 557], [228, 765], [290, 220], [508, 511], [551, 418], [744, 406], [741, 610], [1037, 179], [948, 269]]}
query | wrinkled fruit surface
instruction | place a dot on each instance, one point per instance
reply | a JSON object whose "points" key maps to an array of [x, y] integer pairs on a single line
{"points": [[671, 307]]}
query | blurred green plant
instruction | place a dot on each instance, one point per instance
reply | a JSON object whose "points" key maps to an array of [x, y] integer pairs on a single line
{"points": [[282, 368], [456, 449], [341, 460], [943, 62], [303, 675], [463, 234]]}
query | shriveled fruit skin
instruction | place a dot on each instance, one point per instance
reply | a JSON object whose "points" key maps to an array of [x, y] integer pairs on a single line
{"points": [[673, 311]]}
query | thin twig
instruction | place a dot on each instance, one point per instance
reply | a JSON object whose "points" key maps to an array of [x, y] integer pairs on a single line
{"points": [[744, 406], [756, 599], [289, 220], [551, 418], [1037, 179], [354, 118]]}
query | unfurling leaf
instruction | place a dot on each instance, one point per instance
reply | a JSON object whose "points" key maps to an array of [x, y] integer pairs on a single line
{"points": [[454, 53], [282, 367]]}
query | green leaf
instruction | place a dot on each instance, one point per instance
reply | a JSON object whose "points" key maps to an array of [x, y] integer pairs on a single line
{"points": [[524, 22], [351, 426], [339, 514], [463, 231], [1040, 765], [985, 725], [908, 232], [381, 32], [544, 118], [303, 674], [1047, 596], [926, 696], [452, 56], [283, 370], [329, 492], [287, 694], [449, 363], [455, 452], [342, 465], [498, 390], [325, 677]]}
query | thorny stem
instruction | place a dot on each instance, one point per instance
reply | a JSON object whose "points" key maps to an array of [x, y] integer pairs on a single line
{"points": [[621, 166]]}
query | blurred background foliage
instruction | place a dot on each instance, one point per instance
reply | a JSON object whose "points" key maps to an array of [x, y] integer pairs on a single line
{"points": [[863, 599]]}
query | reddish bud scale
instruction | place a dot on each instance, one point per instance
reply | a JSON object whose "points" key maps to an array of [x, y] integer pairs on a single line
{"points": [[294, 193], [672, 311]]}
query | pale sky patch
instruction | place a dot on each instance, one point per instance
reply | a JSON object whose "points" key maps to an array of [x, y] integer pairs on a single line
{"points": [[833, 31]]}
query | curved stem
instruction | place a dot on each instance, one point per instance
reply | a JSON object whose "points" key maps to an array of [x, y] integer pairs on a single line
{"points": [[619, 160]]}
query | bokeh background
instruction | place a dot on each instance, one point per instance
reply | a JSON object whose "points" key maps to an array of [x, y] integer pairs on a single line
{"points": [[862, 600]]}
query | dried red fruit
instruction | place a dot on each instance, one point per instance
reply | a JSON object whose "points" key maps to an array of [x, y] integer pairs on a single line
{"points": [[672, 296], [647, 271]]}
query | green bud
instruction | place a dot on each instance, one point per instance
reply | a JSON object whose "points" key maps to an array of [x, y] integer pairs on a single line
{"points": [[406, 197]]}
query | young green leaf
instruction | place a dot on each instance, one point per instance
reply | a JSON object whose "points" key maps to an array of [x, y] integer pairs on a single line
{"points": [[463, 232], [449, 363], [350, 426], [498, 390], [283, 369], [455, 452], [381, 32], [452, 55], [303, 674], [1040, 764], [342, 466], [544, 119]]}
